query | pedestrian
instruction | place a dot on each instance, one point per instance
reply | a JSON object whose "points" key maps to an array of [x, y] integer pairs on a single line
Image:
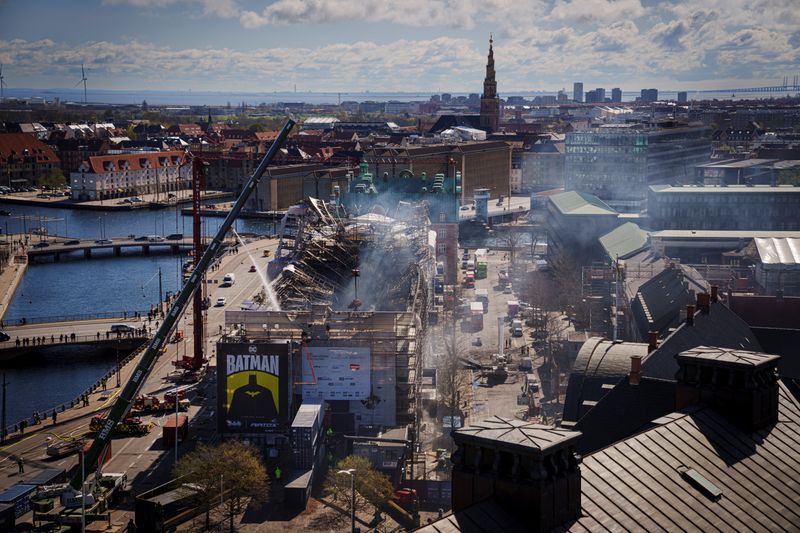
{"points": [[103, 382], [18, 341], [107, 334], [278, 474], [52, 339], [98, 335], [54, 417], [72, 336], [20, 465], [61, 338]]}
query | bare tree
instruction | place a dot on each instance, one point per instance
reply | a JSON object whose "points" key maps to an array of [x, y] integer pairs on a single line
{"points": [[512, 240], [370, 485], [451, 378]]}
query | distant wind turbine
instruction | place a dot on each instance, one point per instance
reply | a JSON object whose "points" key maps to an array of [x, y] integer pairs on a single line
{"points": [[83, 80], [2, 81]]}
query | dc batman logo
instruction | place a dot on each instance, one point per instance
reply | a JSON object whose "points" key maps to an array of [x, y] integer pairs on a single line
{"points": [[252, 349]]}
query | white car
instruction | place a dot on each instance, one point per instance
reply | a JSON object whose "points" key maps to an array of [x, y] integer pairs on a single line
{"points": [[155, 238], [220, 301]]}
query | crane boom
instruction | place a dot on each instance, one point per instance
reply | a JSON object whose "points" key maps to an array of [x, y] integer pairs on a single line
{"points": [[123, 403]]}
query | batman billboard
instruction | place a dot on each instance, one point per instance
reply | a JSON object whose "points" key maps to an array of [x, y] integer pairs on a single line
{"points": [[253, 387]]}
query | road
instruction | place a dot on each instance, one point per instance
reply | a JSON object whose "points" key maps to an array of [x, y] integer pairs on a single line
{"points": [[140, 456]]}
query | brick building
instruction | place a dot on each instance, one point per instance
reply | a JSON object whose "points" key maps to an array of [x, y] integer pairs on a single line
{"points": [[23, 159]]}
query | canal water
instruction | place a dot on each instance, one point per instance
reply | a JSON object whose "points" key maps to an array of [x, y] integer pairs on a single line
{"points": [[78, 286]]}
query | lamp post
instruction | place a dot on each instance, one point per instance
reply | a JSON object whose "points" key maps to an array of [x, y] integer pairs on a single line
{"points": [[352, 473]]}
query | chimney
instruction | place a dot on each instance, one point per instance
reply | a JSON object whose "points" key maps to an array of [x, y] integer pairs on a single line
{"points": [[652, 341], [741, 385], [690, 314], [714, 294], [531, 470], [704, 302], [635, 377]]}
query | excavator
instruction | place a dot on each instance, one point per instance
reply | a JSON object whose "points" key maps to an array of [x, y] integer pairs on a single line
{"points": [[118, 418]]}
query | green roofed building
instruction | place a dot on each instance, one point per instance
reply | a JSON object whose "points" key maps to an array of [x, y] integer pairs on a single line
{"points": [[574, 222]]}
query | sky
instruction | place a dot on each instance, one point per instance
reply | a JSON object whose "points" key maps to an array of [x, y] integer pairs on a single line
{"points": [[404, 46]]}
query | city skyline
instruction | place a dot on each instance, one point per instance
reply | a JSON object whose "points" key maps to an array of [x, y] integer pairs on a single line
{"points": [[440, 45]]}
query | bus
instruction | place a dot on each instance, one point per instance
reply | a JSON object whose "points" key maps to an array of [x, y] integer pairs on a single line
{"points": [[481, 263]]}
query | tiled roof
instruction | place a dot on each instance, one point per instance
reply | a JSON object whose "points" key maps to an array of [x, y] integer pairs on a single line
{"points": [[107, 163], [15, 144], [660, 300], [720, 327]]}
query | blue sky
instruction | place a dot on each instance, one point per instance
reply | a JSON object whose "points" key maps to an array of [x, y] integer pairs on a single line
{"points": [[385, 45]]}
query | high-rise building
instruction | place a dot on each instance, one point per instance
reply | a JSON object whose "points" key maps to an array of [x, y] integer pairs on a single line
{"points": [[600, 94], [683, 97], [618, 163], [446, 97], [591, 97], [562, 96], [649, 95], [616, 94], [490, 102], [577, 91]]}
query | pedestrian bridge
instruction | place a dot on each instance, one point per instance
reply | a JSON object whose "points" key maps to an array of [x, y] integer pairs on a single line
{"points": [[19, 346]]}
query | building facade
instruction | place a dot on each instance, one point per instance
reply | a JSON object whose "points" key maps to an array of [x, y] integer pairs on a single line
{"points": [[616, 94], [117, 176], [24, 159], [286, 185], [618, 162], [734, 207]]}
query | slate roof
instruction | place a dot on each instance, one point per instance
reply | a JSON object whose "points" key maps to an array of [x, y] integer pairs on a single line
{"points": [[659, 301], [624, 411], [624, 241], [665, 478], [581, 203], [720, 327], [600, 365]]}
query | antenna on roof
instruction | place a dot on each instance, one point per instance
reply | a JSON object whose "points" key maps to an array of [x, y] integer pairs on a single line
{"points": [[83, 80], [2, 81]]}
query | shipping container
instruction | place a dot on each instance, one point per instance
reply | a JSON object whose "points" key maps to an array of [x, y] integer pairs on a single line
{"points": [[174, 427], [19, 496]]}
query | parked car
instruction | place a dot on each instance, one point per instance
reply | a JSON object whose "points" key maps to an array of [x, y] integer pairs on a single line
{"points": [[4, 336], [220, 301], [136, 200]]}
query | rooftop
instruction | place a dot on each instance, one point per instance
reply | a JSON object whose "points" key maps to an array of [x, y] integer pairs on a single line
{"points": [[783, 251], [581, 203], [624, 241], [517, 434], [721, 234], [725, 188], [727, 357]]}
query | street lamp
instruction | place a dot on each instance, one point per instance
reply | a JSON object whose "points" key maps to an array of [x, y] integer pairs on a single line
{"points": [[352, 473]]}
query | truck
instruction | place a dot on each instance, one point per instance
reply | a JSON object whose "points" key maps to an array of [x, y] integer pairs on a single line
{"points": [[481, 263], [128, 427], [175, 427], [476, 315], [513, 308], [516, 328], [482, 295], [469, 280], [229, 279]]}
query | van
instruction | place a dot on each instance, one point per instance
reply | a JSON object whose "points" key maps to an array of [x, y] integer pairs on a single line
{"points": [[120, 328], [516, 328], [229, 279]]}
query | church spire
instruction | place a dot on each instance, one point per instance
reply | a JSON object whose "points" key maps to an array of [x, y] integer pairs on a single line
{"points": [[490, 103]]}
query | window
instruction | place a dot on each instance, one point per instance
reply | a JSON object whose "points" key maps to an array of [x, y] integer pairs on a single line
{"points": [[441, 248]]}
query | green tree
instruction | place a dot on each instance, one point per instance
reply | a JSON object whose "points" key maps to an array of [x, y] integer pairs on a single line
{"points": [[371, 486], [232, 470], [54, 179]]}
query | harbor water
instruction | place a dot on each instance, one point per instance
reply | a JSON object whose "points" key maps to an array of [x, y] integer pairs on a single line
{"points": [[77, 287]]}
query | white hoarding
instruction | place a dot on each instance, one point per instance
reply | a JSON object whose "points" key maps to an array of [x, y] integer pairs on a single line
{"points": [[336, 373]]}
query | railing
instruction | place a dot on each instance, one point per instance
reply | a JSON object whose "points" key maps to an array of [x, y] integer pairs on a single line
{"points": [[43, 341], [125, 315], [47, 414]]}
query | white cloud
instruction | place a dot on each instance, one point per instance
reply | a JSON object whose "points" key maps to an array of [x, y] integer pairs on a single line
{"points": [[211, 8]]}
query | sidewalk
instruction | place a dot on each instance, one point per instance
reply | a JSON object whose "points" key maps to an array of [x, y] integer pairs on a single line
{"points": [[11, 276]]}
